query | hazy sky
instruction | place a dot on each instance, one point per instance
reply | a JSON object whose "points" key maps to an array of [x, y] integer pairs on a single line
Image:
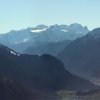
{"points": [[17, 14]]}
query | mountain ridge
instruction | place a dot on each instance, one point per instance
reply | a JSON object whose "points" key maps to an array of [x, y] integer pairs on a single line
{"points": [[82, 55], [41, 35]]}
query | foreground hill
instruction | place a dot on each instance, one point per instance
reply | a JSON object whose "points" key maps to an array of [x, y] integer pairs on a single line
{"points": [[11, 90], [43, 73]]}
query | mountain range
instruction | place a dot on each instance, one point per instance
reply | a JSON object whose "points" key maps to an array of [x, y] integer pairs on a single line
{"points": [[12, 90], [42, 37]]}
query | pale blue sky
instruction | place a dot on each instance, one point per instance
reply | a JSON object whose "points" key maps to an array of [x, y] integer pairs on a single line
{"points": [[17, 14]]}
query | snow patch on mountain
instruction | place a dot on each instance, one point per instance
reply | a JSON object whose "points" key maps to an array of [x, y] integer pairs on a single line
{"points": [[37, 30], [64, 30], [14, 53]]}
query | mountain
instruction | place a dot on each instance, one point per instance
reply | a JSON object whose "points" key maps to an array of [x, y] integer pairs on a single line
{"points": [[52, 48], [11, 90], [20, 40], [45, 73], [82, 55]]}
